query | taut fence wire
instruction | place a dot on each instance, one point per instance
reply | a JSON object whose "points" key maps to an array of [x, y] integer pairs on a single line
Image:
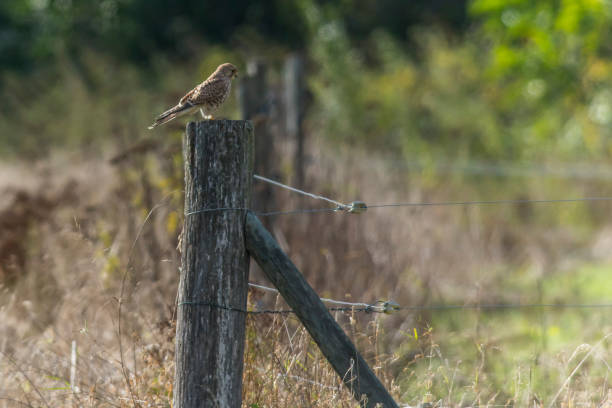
{"points": [[389, 306], [357, 207]]}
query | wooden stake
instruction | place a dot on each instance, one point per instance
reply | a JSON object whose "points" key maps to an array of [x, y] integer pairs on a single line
{"points": [[214, 277], [333, 342]]}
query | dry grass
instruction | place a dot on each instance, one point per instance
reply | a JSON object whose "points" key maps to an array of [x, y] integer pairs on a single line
{"points": [[82, 242]]}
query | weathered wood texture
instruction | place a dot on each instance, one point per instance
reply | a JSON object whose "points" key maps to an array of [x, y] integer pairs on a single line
{"points": [[333, 342], [293, 76], [210, 340]]}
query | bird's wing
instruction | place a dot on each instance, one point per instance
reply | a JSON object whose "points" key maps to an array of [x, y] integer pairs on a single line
{"points": [[211, 90], [203, 93], [189, 95]]}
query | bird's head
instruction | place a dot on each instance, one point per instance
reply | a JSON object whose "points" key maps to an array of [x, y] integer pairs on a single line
{"points": [[228, 70]]}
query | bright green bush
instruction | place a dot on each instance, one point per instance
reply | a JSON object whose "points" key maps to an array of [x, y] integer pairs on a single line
{"points": [[529, 81]]}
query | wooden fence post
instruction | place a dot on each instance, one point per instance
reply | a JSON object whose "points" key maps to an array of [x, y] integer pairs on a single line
{"points": [[294, 112], [329, 336], [218, 159], [255, 105]]}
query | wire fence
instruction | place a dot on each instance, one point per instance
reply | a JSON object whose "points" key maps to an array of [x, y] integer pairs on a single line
{"points": [[384, 306], [390, 306], [358, 207]]}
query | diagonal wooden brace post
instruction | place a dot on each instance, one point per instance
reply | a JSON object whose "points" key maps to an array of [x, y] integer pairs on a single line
{"points": [[329, 336]]}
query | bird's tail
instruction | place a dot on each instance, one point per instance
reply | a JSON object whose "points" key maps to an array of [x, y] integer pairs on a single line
{"points": [[172, 113]]}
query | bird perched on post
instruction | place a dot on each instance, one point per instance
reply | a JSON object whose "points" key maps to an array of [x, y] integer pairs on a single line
{"points": [[207, 97]]}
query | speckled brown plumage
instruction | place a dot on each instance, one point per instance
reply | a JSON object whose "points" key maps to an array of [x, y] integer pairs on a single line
{"points": [[207, 97]]}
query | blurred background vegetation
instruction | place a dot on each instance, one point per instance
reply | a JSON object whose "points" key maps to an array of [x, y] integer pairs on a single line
{"points": [[447, 100], [495, 80]]}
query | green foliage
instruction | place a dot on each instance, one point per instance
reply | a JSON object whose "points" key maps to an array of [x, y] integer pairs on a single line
{"points": [[555, 52], [37, 32], [544, 39], [529, 82]]}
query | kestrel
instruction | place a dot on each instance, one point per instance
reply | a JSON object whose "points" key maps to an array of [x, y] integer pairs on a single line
{"points": [[207, 97]]}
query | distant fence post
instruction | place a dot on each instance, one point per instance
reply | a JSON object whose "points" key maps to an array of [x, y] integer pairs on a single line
{"points": [[255, 105], [294, 112], [218, 159], [308, 307]]}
